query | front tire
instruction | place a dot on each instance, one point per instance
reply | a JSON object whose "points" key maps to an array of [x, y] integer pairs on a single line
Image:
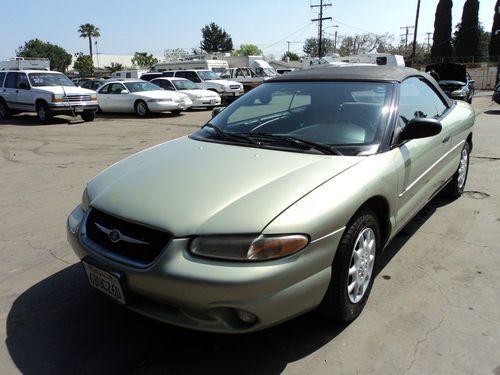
{"points": [[141, 109], [353, 268], [43, 112], [456, 185], [88, 116]]}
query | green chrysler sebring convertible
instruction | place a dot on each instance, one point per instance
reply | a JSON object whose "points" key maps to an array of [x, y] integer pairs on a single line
{"points": [[279, 205]]}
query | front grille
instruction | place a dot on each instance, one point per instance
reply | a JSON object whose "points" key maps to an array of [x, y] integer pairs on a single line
{"points": [[234, 87], [136, 242], [76, 98]]}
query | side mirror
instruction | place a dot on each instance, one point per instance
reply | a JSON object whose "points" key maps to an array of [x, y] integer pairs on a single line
{"points": [[472, 81], [124, 92], [420, 127], [216, 111]]}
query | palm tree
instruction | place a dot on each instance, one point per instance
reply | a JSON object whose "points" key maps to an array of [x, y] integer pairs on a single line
{"points": [[88, 31]]}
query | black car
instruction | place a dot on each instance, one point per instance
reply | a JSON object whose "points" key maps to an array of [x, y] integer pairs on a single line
{"points": [[453, 79], [496, 94], [93, 84], [151, 75]]}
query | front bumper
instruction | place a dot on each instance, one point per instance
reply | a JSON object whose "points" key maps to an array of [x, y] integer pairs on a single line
{"points": [[169, 106], [206, 102], [76, 107], [201, 294], [231, 94]]}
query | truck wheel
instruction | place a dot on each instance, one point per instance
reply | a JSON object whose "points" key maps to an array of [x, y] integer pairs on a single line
{"points": [[5, 112], [43, 112], [141, 109], [88, 116]]}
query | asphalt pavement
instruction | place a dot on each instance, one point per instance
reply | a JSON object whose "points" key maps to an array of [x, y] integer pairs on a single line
{"points": [[434, 307]]}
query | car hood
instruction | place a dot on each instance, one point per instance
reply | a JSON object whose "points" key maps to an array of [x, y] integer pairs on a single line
{"points": [[449, 71], [203, 93], [160, 94], [66, 90], [190, 187], [223, 82]]}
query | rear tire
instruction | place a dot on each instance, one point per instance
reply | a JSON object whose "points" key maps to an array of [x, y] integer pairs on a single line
{"points": [[456, 185], [43, 112], [141, 109], [5, 111], [353, 268], [88, 116]]}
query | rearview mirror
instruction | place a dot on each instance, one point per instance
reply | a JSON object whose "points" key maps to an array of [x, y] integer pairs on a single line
{"points": [[420, 127], [216, 111], [124, 92]]}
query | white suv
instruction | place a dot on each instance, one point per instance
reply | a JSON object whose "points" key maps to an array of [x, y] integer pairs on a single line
{"points": [[208, 80], [46, 93]]}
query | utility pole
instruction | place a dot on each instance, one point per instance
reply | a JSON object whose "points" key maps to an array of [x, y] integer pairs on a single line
{"points": [[406, 34], [413, 53], [320, 28], [429, 41]]}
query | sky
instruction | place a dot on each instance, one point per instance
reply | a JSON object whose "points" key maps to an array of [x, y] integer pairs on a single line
{"points": [[152, 26]]}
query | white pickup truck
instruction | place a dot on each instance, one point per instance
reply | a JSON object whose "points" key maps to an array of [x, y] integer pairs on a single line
{"points": [[46, 93], [206, 79], [246, 76]]}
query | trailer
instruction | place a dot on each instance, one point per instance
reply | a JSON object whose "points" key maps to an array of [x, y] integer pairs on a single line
{"points": [[25, 63], [215, 65]]}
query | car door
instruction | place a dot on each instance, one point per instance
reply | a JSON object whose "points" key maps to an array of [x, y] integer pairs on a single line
{"points": [[25, 96], [118, 101], [10, 90], [103, 98], [425, 162]]}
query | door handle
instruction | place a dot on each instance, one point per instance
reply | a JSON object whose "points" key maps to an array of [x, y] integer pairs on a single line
{"points": [[446, 139]]}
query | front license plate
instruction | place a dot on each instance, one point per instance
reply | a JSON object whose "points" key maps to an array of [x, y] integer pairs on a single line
{"points": [[105, 282], [78, 109], [236, 94]]}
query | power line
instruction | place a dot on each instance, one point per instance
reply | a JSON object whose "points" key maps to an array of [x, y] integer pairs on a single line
{"points": [[320, 19], [406, 34]]}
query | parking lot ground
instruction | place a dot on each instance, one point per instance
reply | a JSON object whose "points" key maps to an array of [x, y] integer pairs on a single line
{"points": [[434, 308]]}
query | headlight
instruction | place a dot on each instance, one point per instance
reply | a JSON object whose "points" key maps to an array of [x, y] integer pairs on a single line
{"points": [[57, 98], [198, 96], [248, 247], [159, 100], [85, 200], [93, 96]]}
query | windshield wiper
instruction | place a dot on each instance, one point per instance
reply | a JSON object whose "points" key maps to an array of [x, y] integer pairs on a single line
{"points": [[226, 135], [325, 149]]}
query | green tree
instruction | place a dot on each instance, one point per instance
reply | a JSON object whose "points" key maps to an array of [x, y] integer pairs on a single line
{"points": [[144, 60], [114, 67], [215, 39], [468, 34], [89, 31], [291, 55], [441, 46], [494, 45], [83, 64], [365, 43], [248, 50], [59, 58], [310, 47]]}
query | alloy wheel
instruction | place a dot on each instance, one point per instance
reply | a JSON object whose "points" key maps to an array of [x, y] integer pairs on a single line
{"points": [[361, 265]]}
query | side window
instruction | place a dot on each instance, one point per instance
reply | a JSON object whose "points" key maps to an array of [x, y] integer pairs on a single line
{"points": [[11, 81], [116, 88], [192, 76], [168, 74], [167, 85], [418, 99], [181, 74], [105, 90], [128, 75], [22, 81], [2, 77]]}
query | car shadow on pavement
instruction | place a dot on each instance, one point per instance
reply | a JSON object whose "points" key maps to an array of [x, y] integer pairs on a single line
{"points": [[492, 112], [32, 120], [62, 326]]}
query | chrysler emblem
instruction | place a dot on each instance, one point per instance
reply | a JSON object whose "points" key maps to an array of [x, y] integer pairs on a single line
{"points": [[114, 235]]}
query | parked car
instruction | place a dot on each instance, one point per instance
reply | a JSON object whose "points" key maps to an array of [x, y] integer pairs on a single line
{"points": [[151, 75], [305, 180], [201, 98], [206, 79], [140, 97], [93, 84], [496, 94], [454, 80], [46, 93]]}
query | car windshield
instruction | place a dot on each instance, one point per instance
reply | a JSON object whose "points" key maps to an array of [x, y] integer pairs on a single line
{"points": [[347, 116], [138, 86], [185, 85], [49, 79], [207, 74]]}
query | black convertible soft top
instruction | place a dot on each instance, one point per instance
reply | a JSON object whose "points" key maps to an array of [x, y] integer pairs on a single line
{"points": [[357, 73]]}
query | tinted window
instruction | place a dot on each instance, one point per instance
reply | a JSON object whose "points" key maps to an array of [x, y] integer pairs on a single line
{"points": [[167, 85], [2, 76], [168, 74], [418, 99], [11, 80], [22, 81], [116, 88], [104, 90]]}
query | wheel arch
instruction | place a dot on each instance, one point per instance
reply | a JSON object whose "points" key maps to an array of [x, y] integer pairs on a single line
{"points": [[469, 140], [380, 207]]}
